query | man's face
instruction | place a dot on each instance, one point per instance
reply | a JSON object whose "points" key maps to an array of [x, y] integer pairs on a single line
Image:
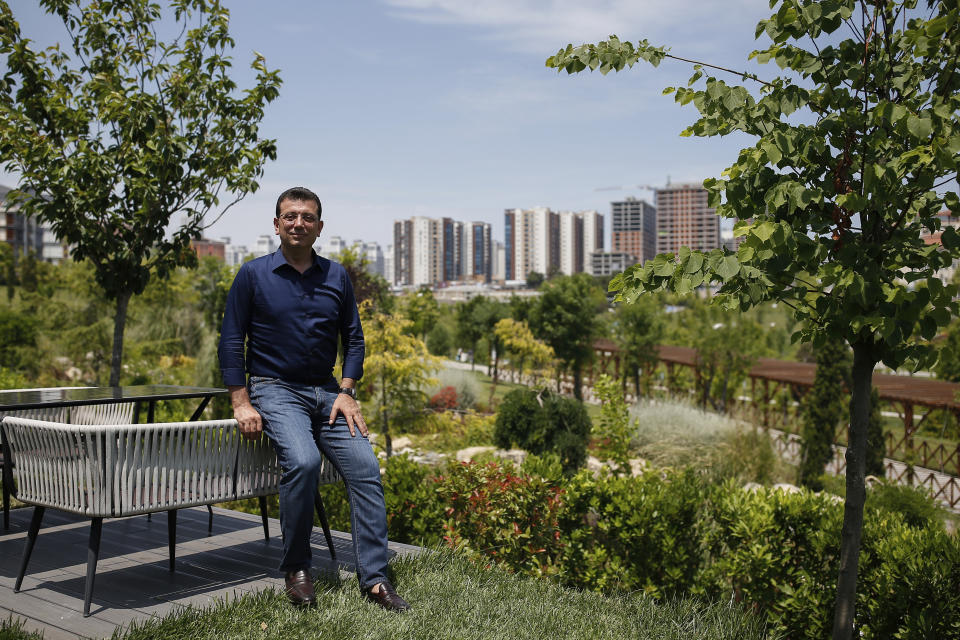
{"points": [[298, 224]]}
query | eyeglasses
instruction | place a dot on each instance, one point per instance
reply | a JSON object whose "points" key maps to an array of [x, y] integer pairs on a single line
{"points": [[290, 218]]}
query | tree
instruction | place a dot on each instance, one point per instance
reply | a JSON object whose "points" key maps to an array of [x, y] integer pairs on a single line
{"points": [[8, 265], [28, 271], [519, 342], [727, 345], [534, 280], [118, 132], [852, 145], [397, 367], [471, 325], [422, 310], [366, 285], [637, 330], [565, 317], [490, 313], [948, 358], [825, 407]]}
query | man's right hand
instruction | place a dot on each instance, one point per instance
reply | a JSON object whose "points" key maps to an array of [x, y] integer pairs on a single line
{"points": [[249, 420]]}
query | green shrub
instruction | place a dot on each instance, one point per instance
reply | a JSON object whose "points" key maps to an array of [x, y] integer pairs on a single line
{"points": [[448, 431], [544, 422], [505, 518], [616, 429], [915, 504], [776, 552], [414, 510], [910, 584], [18, 338], [632, 533]]}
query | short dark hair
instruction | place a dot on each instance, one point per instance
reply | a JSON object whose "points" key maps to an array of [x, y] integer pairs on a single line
{"points": [[300, 194]]}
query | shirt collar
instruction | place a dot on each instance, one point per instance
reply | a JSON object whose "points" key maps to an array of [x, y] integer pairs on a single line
{"points": [[278, 260]]}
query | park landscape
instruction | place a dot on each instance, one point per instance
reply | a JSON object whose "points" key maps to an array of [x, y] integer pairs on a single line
{"points": [[639, 502]]}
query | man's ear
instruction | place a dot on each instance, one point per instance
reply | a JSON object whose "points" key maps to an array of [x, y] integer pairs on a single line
{"points": [[276, 226], [319, 226]]}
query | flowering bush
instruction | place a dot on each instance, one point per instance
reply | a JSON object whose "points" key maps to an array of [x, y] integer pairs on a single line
{"points": [[444, 400]]}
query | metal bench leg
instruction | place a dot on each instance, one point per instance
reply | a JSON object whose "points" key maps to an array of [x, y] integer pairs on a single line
{"points": [[209, 520], [263, 517], [172, 535], [7, 480], [6, 501], [28, 549], [322, 513], [93, 552]]}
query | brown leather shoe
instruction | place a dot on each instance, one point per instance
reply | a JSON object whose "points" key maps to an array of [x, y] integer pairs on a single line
{"points": [[387, 598], [300, 588]]}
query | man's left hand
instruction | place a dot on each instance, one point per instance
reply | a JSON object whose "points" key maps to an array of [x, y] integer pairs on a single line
{"points": [[351, 411]]}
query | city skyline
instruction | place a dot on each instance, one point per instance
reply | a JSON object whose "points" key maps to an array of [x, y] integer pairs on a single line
{"points": [[399, 108]]}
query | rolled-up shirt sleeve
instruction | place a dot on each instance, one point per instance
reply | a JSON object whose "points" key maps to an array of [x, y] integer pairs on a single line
{"points": [[351, 333], [233, 332]]}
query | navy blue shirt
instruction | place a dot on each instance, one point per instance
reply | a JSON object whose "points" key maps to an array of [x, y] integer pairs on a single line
{"points": [[291, 322]]}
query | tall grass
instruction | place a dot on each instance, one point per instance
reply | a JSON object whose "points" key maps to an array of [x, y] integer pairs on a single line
{"points": [[675, 433]]}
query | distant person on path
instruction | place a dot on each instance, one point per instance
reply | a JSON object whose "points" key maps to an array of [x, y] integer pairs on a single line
{"points": [[291, 307]]}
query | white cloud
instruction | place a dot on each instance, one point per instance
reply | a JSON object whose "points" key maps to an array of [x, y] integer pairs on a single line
{"points": [[539, 25]]}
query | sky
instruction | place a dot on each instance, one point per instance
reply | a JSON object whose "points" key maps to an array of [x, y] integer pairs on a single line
{"points": [[396, 108]]}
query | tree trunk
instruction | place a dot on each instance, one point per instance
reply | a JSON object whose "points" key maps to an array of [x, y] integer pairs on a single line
{"points": [[577, 382], [493, 386], [862, 382], [119, 322]]}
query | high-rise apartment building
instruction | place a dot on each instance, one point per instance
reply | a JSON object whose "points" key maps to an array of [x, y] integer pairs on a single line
{"points": [[477, 252], [427, 251], [685, 220], [571, 242], [634, 229], [540, 240], [592, 237]]}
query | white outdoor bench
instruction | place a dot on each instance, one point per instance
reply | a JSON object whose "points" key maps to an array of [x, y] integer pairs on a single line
{"points": [[113, 471]]}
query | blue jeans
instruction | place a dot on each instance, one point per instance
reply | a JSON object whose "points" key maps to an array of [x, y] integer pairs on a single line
{"points": [[296, 419]]}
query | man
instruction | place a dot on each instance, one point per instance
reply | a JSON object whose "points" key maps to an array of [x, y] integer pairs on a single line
{"points": [[291, 306]]}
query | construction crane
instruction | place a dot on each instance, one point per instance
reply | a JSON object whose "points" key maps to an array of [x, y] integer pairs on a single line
{"points": [[648, 187]]}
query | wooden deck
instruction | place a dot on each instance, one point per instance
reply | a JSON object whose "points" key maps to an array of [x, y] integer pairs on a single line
{"points": [[133, 581]]}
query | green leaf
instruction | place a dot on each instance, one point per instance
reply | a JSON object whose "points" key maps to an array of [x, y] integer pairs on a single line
{"points": [[950, 238], [694, 263], [728, 268], [920, 128]]}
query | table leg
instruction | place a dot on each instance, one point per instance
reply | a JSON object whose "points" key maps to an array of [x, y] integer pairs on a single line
{"points": [[199, 411]]}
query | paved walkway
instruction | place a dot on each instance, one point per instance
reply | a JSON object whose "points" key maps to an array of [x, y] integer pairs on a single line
{"points": [[133, 581]]}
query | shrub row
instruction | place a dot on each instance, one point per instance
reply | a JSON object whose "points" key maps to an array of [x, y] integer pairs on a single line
{"points": [[673, 532]]}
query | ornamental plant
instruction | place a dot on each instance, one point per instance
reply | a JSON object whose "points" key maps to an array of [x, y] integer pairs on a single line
{"points": [[854, 145]]}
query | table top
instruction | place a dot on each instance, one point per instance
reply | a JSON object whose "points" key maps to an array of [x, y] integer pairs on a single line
{"points": [[79, 396]]}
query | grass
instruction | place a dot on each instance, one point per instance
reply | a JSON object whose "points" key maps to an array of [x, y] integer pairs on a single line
{"points": [[675, 433], [11, 629], [453, 598]]}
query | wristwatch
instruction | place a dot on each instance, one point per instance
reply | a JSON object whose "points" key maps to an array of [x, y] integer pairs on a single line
{"points": [[350, 391]]}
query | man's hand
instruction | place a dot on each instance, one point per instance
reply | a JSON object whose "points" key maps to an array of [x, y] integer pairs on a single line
{"points": [[351, 411], [249, 420]]}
